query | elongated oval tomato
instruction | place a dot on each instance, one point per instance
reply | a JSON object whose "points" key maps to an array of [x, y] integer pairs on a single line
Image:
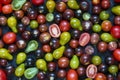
{"points": [[54, 30], [91, 71], [2, 75], [84, 39], [72, 75]]}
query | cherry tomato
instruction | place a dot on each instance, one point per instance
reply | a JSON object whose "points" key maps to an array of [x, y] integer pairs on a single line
{"points": [[37, 2], [6, 1], [95, 2], [0, 7], [54, 30], [7, 9], [116, 54], [91, 71], [117, 1], [106, 25], [46, 48], [105, 4], [84, 39], [2, 75], [115, 31], [100, 76], [64, 25], [72, 75], [9, 37]]}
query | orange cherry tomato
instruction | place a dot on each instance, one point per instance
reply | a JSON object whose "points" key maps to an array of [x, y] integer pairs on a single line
{"points": [[7, 9], [106, 25]]}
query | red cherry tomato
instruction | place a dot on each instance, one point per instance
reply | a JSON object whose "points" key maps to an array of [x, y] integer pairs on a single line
{"points": [[2, 75], [37, 2], [64, 25], [117, 1], [54, 30], [0, 7], [7, 9], [116, 54], [9, 38], [6, 1], [100, 76], [84, 39], [72, 75], [91, 71], [115, 32]]}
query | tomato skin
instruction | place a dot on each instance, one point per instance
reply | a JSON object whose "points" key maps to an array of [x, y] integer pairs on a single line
{"points": [[64, 25], [9, 38], [37, 2], [2, 75], [72, 75], [116, 54], [6, 1], [7, 9], [115, 31], [117, 1], [0, 7], [84, 39]]}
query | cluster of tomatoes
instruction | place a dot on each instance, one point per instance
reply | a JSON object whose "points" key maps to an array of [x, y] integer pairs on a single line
{"points": [[60, 39]]}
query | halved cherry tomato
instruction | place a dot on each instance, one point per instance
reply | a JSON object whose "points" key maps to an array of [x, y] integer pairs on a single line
{"points": [[72, 75], [115, 32], [9, 37], [84, 39], [54, 30], [7, 9], [116, 54], [64, 25], [6, 1], [2, 75]]}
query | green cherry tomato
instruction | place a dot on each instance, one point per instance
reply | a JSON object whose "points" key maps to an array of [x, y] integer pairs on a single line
{"points": [[106, 37], [50, 4], [75, 23], [104, 15], [48, 57], [33, 24], [96, 28], [86, 16], [41, 64], [49, 17], [113, 69], [96, 60], [73, 4], [20, 57]]}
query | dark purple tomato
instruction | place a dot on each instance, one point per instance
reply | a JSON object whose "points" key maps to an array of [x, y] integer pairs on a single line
{"points": [[21, 44], [42, 9], [105, 4], [35, 33], [89, 50], [69, 52], [39, 53], [25, 20], [41, 75], [87, 25], [117, 20], [84, 5], [51, 75], [29, 62], [78, 51], [51, 66], [109, 60], [26, 6], [102, 68], [110, 77], [32, 14], [78, 13], [54, 43], [60, 6], [12, 48], [9, 69], [75, 33], [74, 43], [95, 19], [58, 18], [61, 73], [85, 59], [63, 62], [102, 46], [81, 71], [3, 62], [26, 35], [21, 28], [19, 14], [96, 9], [43, 28], [68, 14]]}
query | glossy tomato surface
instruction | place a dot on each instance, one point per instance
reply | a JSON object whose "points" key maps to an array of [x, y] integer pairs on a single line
{"points": [[72, 75], [115, 31], [2, 75], [116, 54]]}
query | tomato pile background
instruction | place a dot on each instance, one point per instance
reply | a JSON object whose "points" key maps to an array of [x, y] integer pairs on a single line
{"points": [[102, 55]]}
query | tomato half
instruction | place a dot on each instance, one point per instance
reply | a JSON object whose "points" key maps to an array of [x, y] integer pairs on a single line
{"points": [[2, 75], [116, 54], [115, 31], [84, 39], [72, 75], [9, 38], [54, 30]]}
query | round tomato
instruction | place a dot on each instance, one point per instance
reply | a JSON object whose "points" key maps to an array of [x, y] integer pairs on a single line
{"points": [[116, 54], [100, 76], [0, 7], [106, 25], [6, 1], [72, 75], [117, 1], [2, 75], [37, 2], [64, 25], [9, 38], [84, 39], [7, 9], [115, 31]]}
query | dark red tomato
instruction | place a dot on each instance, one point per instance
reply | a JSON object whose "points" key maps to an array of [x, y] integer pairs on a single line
{"points": [[116, 54], [84, 39], [64, 25], [2, 75], [0, 7], [91, 71], [54, 30], [105, 4], [117, 0], [100, 76], [37, 2], [95, 2], [9, 37], [6, 1], [115, 31], [72, 75]]}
